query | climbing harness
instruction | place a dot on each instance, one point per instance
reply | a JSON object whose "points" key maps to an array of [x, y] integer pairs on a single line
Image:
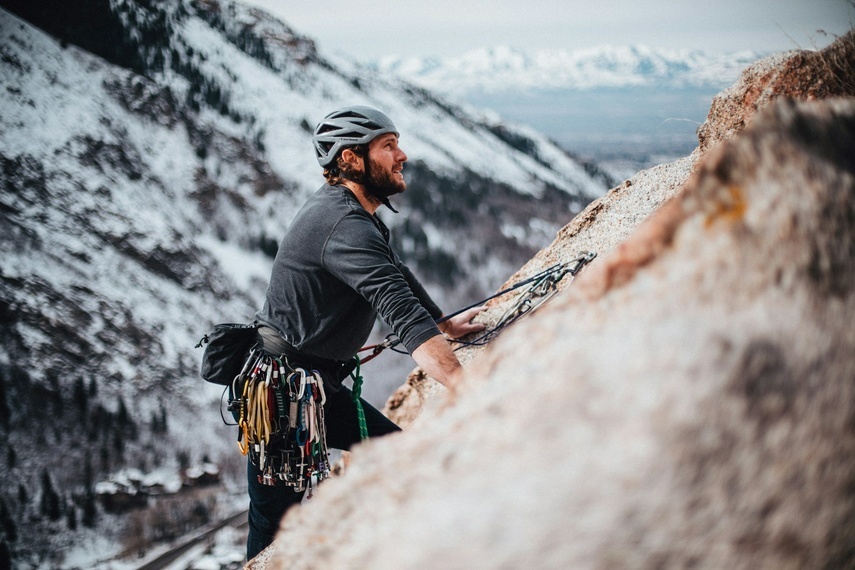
{"points": [[277, 402], [280, 416], [542, 287]]}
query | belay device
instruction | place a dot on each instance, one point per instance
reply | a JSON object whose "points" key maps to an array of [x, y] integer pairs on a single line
{"points": [[280, 415]]}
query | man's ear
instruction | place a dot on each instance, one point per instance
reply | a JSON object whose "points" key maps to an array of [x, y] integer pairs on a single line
{"points": [[350, 157]]}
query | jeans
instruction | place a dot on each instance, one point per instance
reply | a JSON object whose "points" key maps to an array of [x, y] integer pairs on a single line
{"points": [[267, 505]]}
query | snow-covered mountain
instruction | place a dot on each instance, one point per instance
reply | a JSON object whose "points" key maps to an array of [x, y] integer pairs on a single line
{"points": [[504, 69], [152, 156]]}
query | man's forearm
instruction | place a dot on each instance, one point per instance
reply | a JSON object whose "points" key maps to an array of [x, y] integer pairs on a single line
{"points": [[436, 358]]}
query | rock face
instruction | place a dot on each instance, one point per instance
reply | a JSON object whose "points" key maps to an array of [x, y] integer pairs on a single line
{"points": [[689, 401]]}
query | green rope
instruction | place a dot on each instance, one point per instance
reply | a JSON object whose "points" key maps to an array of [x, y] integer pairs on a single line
{"points": [[355, 395]]}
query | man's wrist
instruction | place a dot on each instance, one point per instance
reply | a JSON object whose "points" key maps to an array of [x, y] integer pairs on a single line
{"points": [[443, 326]]}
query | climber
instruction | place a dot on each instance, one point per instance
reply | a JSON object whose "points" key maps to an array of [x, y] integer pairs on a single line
{"points": [[334, 273]]}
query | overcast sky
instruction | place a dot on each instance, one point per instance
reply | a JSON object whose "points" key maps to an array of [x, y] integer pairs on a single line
{"points": [[369, 29]]}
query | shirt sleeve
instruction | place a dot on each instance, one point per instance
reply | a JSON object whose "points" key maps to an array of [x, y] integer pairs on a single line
{"points": [[356, 253], [418, 289]]}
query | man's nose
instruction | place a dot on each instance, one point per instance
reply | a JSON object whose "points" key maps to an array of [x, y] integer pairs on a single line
{"points": [[402, 157]]}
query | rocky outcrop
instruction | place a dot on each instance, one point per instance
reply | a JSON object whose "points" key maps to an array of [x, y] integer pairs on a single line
{"points": [[687, 402], [800, 74]]}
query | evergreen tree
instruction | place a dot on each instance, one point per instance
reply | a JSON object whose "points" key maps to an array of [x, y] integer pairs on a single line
{"points": [[90, 511], [4, 406], [5, 555], [88, 482], [50, 506], [119, 444], [79, 396], [7, 523], [23, 497], [126, 423], [122, 414], [105, 457], [71, 517]]}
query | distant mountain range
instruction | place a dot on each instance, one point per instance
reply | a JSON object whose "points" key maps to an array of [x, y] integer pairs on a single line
{"points": [[626, 108], [504, 69]]}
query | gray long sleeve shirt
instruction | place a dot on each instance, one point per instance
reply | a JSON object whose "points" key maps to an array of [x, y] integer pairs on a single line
{"points": [[334, 273]]}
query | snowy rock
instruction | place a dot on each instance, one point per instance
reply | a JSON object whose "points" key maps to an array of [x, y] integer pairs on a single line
{"points": [[609, 220]]}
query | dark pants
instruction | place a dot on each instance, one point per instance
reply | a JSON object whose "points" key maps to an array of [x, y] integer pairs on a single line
{"points": [[267, 505]]}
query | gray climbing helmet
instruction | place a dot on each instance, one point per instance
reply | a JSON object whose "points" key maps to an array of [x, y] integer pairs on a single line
{"points": [[347, 127]]}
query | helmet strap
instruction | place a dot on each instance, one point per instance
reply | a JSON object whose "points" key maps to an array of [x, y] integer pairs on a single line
{"points": [[385, 201]]}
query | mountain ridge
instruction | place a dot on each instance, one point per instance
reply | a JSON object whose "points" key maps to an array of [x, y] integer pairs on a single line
{"points": [[502, 68], [630, 107]]}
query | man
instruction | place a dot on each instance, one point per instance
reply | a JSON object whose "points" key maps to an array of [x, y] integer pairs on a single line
{"points": [[333, 274]]}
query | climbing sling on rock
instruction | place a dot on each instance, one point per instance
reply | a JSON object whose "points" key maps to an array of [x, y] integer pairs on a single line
{"points": [[542, 287]]}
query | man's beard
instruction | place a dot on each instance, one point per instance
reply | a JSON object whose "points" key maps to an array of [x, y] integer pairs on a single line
{"points": [[381, 185], [376, 184]]}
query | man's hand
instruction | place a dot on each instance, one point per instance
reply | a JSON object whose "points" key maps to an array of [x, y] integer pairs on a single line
{"points": [[435, 356], [460, 325]]}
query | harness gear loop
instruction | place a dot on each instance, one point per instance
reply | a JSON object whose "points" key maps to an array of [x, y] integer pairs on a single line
{"points": [[280, 420]]}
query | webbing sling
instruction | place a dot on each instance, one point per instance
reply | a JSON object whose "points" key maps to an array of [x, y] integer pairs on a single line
{"points": [[356, 394]]}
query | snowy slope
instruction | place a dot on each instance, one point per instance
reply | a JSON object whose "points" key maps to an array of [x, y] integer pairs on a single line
{"points": [[142, 195]]}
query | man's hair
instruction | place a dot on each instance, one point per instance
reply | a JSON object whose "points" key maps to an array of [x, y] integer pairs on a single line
{"points": [[337, 171]]}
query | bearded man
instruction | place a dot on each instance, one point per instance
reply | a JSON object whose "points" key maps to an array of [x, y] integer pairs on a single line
{"points": [[334, 273]]}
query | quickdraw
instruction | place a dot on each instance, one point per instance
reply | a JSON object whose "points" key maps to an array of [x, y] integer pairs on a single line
{"points": [[543, 286], [391, 341], [280, 418]]}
